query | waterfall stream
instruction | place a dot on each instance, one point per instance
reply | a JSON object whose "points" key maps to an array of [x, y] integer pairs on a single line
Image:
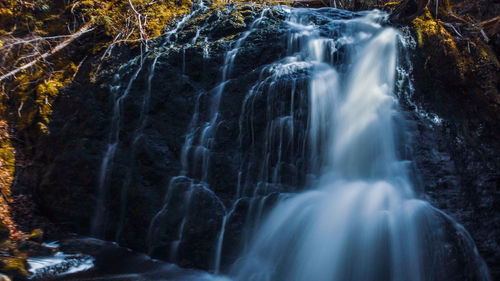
{"points": [[361, 220], [98, 220], [321, 187]]}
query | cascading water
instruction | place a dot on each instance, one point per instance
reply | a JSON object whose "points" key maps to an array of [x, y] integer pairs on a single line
{"points": [[323, 115], [196, 152], [362, 220], [99, 218]]}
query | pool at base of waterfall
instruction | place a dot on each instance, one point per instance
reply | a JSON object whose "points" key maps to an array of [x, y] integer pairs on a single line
{"points": [[59, 264], [86, 258]]}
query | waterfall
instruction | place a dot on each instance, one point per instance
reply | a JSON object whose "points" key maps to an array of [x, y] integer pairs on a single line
{"points": [[297, 159], [99, 219], [196, 153], [361, 219], [136, 138]]}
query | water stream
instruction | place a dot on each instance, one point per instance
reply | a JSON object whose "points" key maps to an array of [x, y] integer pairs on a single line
{"points": [[360, 220], [333, 128], [99, 219]]}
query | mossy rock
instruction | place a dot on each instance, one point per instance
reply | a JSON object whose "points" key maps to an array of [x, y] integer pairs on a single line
{"points": [[391, 5], [14, 267], [36, 235]]}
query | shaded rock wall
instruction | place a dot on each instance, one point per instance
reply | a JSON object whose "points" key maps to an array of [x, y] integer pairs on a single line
{"points": [[66, 174], [457, 77]]}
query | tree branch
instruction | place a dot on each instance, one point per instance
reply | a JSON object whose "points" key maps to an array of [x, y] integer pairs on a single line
{"points": [[84, 29]]}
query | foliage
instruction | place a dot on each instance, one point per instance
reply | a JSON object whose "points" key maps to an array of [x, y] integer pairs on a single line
{"points": [[33, 31], [128, 17], [15, 267], [7, 168], [463, 44]]}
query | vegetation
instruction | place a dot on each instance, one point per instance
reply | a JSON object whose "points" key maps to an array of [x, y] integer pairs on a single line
{"points": [[14, 267], [462, 39], [34, 61]]}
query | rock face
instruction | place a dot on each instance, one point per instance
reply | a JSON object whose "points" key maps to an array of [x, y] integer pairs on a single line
{"points": [[131, 158], [150, 200], [457, 77]]}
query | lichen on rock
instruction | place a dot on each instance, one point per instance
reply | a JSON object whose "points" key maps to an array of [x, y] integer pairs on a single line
{"points": [[14, 267]]}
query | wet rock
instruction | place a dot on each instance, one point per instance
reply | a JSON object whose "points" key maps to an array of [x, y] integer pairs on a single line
{"points": [[151, 138], [33, 249], [456, 77]]}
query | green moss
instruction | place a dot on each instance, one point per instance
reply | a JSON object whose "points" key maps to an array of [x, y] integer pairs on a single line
{"points": [[7, 155], [35, 89], [119, 20], [431, 31], [426, 27], [468, 53], [392, 4], [36, 235], [14, 267], [6, 19]]}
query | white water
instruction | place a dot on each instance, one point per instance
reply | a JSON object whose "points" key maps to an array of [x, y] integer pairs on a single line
{"points": [[98, 220], [58, 264], [220, 237], [138, 134], [361, 221]]}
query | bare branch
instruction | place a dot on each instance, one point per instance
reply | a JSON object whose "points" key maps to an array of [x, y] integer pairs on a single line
{"points": [[86, 28], [139, 20], [20, 41]]}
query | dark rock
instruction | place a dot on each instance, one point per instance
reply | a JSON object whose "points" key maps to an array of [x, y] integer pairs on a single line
{"points": [[4, 232], [33, 249], [456, 151], [407, 10]]}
